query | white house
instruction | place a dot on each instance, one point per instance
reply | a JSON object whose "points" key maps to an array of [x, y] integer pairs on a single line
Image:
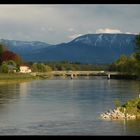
{"points": [[25, 69]]}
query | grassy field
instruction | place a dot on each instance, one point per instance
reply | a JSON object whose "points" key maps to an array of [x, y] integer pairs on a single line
{"points": [[16, 77]]}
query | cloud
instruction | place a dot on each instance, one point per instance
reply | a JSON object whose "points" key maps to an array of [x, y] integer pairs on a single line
{"points": [[43, 29], [75, 36], [131, 33], [90, 32], [128, 33], [71, 29], [60, 23], [50, 29], [108, 30]]}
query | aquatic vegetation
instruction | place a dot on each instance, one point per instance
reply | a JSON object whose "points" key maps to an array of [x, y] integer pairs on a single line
{"points": [[129, 110]]}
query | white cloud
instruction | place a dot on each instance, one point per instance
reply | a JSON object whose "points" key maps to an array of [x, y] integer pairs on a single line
{"points": [[74, 36], [131, 33], [128, 33], [54, 23], [108, 30]]}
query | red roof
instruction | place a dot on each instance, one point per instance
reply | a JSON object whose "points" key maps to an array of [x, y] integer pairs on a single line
{"points": [[24, 65]]}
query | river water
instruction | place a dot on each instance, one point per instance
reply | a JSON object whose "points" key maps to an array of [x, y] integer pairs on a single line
{"points": [[65, 107]]}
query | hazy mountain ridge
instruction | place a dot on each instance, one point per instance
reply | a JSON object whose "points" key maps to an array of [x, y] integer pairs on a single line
{"points": [[23, 46], [89, 48]]}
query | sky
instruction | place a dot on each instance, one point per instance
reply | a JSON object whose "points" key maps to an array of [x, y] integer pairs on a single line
{"points": [[57, 23]]}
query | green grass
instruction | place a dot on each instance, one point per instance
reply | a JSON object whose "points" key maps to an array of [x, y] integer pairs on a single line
{"points": [[16, 77], [132, 107]]}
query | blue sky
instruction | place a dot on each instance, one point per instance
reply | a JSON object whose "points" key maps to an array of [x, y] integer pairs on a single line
{"points": [[62, 23]]}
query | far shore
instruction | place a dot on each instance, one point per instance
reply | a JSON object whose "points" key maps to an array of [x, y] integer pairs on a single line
{"points": [[11, 78]]}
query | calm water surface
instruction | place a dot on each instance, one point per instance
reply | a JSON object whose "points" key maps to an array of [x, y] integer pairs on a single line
{"points": [[65, 107]]}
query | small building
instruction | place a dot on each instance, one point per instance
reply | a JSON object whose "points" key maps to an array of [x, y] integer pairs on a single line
{"points": [[25, 69], [11, 69]]}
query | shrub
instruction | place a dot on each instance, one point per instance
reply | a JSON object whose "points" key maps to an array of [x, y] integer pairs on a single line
{"points": [[117, 103], [138, 105]]}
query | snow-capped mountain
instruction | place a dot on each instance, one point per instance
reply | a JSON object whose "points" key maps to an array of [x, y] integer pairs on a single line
{"points": [[89, 48], [107, 39], [22, 47]]}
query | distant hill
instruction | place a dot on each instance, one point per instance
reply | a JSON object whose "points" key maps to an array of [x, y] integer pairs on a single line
{"points": [[23, 48], [89, 48]]}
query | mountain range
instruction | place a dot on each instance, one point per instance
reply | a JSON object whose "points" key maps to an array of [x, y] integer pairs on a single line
{"points": [[100, 48]]}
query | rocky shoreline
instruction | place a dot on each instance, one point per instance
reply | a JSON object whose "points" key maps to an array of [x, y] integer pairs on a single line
{"points": [[116, 114]]}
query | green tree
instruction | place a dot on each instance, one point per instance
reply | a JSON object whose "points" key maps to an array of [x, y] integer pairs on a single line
{"points": [[138, 105], [2, 49], [34, 67], [132, 64], [117, 103], [48, 68], [137, 48], [121, 60], [4, 67], [121, 63], [11, 62], [37, 67], [18, 60], [42, 67]]}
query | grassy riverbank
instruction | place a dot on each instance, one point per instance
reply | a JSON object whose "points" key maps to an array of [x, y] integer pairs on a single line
{"points": [[131, 107], [16, 77]]}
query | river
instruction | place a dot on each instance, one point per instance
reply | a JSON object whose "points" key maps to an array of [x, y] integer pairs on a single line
{"points": [[65, 107]]}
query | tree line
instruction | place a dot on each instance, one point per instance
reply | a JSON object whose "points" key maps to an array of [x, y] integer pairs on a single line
{"points": [[129, 64], [9, 60]]}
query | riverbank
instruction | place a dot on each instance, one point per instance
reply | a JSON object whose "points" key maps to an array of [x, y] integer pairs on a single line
{"points": [[117, 114], [16, 77], [129, 111]]}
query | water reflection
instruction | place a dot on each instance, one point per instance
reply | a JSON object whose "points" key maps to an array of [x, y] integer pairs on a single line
{"points": [[9, 93], [130, 127], [23, 89], [65, 106]]}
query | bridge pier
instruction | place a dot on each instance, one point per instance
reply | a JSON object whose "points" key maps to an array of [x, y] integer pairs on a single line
{"points": [[108, 76], [71, 76]]}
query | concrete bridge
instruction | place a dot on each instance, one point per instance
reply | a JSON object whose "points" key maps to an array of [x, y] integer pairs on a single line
{"points": [[84, 73], [79, 72], [73, 74]]}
